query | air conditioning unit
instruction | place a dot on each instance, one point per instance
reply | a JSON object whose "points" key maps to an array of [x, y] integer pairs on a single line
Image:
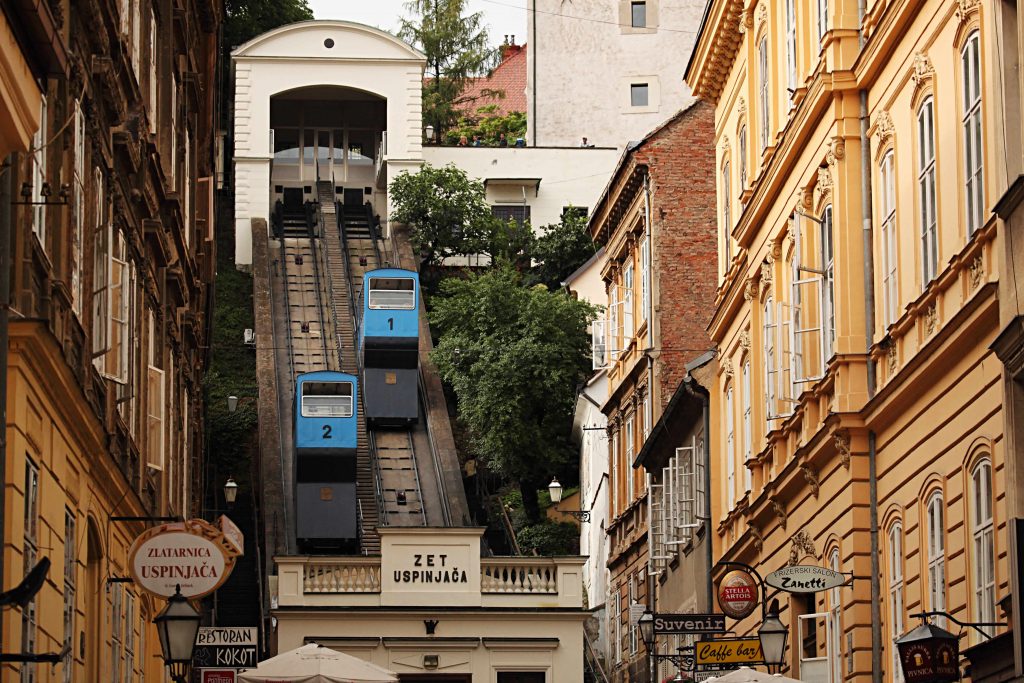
{"points": [[249, 337]]}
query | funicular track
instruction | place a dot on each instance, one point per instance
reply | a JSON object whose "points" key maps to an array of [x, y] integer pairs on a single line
{"points": [[407, 486]]}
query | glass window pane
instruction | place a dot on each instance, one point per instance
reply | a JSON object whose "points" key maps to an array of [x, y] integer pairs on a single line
{"points": [[638, 95], [639, 14]]}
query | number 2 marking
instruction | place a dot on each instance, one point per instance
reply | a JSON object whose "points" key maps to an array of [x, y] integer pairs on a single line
{"points": [[327, 431]]}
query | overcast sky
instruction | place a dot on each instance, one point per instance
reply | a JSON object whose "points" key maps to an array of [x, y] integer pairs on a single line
{"points": [[502, 16]]}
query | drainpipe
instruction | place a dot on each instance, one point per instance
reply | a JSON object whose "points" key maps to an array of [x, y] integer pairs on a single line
{"points": [[6, 272], [869, 333], [533, 48], [649, 285]]}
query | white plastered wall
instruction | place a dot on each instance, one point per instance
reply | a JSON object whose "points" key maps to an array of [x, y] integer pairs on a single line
{"points": [[296, 56]]}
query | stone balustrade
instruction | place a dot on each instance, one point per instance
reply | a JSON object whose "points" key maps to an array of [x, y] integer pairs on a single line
{"points": [[516, 575], [351, 575]]}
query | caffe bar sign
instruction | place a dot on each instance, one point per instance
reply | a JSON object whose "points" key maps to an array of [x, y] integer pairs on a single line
{"points": [[805, 579], [193, 554]]}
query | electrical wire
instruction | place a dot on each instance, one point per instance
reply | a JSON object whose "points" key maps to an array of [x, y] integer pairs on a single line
{"points": [[590, 19]]}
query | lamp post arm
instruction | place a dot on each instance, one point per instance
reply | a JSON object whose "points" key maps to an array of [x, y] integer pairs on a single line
{"points": [[976, 625]]}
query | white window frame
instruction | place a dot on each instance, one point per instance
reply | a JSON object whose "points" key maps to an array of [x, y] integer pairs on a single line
{"points": [[822, 19], [769, 330], [156, 411], [926, 191], [599, 344], [828, 286], [645, 276], [39, 169], [70, 581], [896, 599], [726, 216], [936, 549], [742, 151], [790, 51], [835, 628], [890, 271], [119, 291], [634, 641], [78, 205], [801, 276], [617, 620], [101, 291], [116, 631], [762, 90], [748, 431], [30, 535], [129, 637], [627, 304], [154, 105], [629, 435], [983, 545], [730, 451], [974, 195]]}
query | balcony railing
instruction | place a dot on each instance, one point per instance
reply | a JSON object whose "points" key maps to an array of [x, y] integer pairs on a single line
{"points": [[519, 576], [355, 575]]}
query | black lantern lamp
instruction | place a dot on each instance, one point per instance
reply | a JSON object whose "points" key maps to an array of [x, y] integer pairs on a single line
{"points": [[773, 634], [230, 491], [646, 624], [178, 625], [929, 653]]}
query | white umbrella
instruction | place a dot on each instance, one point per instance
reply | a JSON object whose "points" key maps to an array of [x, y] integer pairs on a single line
{"points": [[315, 664], [747, 675]]}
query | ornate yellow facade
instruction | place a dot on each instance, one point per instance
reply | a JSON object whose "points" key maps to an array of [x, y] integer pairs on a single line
{"points": [[858, 405]]}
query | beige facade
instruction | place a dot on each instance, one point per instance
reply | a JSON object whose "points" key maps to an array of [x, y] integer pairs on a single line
{"points": [[107, 234], [858, 269], [431, 608]]}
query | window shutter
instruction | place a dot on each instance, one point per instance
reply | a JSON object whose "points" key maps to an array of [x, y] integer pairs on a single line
{"points": [[101, 323], [155, 418], [599, 344]]}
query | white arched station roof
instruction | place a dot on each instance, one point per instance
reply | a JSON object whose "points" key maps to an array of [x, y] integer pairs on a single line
{"points": [[310, 40]]}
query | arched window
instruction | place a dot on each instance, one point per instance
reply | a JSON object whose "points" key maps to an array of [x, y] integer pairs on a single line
{"points": [[888, 215], [926, 191], [970, 62], [822, 19], [769, 361], [748, 437], [762, 90], [730, 451], [895, 557], [936, 554], [742, 149], [835, 630], [983, 554], [828, 294]]}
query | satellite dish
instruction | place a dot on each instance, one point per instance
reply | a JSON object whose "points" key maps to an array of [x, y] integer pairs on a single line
{"points": [[22, 594]]}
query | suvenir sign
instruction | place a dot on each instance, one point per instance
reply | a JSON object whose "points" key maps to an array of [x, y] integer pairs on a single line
{"points": [[689, 623]]}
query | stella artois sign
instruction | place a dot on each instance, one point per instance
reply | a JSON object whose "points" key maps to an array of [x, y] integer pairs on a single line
{"points": [[737, 594], [192, 554]]}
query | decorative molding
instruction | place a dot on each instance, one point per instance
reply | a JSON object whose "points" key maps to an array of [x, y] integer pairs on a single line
{"points": [[931, 319], [836, 152], [892, 358], [824, 184], [977, 272], [841, 438], [780, 512], [807, 198], [727, 369], [884, 127], [812, 478], [923, 69], [802, 546], [750, 293], [745, 339], [741, 104], [758, 536], [965, 8], [762, 13]]}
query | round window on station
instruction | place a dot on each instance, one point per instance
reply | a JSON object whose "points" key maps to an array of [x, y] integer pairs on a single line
{"points": [[329, 43]]}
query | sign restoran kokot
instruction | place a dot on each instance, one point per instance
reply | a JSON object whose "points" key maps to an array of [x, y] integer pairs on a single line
{"points": [[193, 554], [805, 579]]}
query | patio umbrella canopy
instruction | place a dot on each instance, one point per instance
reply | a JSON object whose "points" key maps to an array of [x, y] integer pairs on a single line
{"points": [[747, 675], [315, 664]]}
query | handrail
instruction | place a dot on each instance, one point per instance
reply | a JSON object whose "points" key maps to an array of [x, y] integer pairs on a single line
{"points": [[596, 663]]}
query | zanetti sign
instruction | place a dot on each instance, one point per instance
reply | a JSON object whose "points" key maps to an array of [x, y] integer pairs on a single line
{"points": [[805, 579]]}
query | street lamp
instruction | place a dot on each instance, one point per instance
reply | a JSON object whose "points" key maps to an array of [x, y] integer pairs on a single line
{"points": [[230, 491], [773, 634], [429, 130], [555, 489], [232, 403], [646, 624], [178, 625]]}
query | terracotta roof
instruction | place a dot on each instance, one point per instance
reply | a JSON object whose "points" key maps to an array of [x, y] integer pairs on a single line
{"points": [[509, 76]]}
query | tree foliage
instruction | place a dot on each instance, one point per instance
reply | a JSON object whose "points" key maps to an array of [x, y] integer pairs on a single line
{"points": [[488, 125], [246, 19], [457, 49], [514, 356], [561, 248]]}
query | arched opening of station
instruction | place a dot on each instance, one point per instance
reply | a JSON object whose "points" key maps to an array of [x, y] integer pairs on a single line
{"points": [[326, 134]]}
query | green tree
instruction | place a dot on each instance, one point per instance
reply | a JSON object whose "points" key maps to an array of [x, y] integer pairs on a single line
{"points": [[488, 125], [514, 356], [246, 19], [446, 210], [561, 248], [457, 50]]}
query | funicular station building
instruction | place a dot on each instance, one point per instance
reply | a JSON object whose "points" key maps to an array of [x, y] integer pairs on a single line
{"points": [[327, 114]]}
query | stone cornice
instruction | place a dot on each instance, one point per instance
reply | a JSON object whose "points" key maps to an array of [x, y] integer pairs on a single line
{"points": [[717, 44]]}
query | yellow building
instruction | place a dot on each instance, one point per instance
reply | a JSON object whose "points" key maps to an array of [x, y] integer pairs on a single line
{"points": [[106, 234], [860, 153]]}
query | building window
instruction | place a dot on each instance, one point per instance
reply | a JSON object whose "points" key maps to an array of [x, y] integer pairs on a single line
{"points": [[521, 677], [638, 95], [116, 630], [828, 294], [628, 465], [101, 322], [971, 64], [617, 621], [889, 272], [896, 595], [926, 188], [78, 206], [616, 473], [627, 304], [129, 637], [153, 59], [38, 155], [31, 553], [742, 142], [514, 213], [748, 447], [790, 50], [638, 16], [700, 457], [70, 575], [762, 90], [645, 276], [983, 553], [634, 595], [730, 452], [769, 362], [822, 19], [726, 216], [835, 626], [936, 556]]}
